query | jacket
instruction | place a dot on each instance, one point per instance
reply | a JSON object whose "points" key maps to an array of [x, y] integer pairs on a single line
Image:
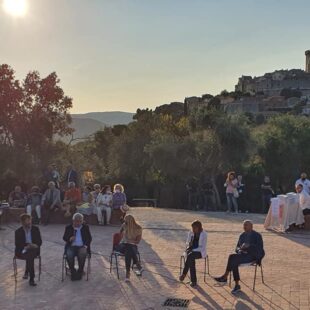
{"points": [[85, 233], [256, 246], [20, 239], [202, 244], [56, 197]]}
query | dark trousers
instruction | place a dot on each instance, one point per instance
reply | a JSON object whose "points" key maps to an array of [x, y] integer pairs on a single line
{"points": [[47, 213], [306, 211], [29, 257], [234, 260], [80, 253], [130, 251], [190, 265], [266, 202]]}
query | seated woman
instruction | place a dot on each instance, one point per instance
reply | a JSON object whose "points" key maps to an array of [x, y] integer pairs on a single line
{"points": [[104, 204], [86, 206], [132, 234], [196, 248], [119, 197]]}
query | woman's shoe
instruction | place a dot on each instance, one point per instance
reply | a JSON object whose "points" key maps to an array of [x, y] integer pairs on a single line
{"points": [[127, 278]]}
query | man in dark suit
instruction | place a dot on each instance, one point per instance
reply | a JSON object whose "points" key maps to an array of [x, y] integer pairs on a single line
{"points": [[250, 248], [78, 238], [71, 176], [27, 245]]}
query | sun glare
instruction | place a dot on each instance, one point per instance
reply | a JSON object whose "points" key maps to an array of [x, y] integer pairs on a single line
{"points": [[15, 7]]}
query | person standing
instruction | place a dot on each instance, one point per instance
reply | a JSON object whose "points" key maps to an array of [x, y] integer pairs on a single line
{"points": [[241, 192], [232, 194], [71, 175], [196, 248], [267, 194], [304, 199], [78, 239], [27, 245], [304, 181]]}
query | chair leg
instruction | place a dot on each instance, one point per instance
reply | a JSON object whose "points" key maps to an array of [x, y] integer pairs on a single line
{"points": [[229, 278], [208, 265], [40, 267], [116, 262], [15, 268], [254, 277], [205, 270], [88, 268], [111, 262], [181, 265], [63, 269], [262, 273]]}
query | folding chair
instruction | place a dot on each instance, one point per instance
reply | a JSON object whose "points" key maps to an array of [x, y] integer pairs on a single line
{"points": [[66, 270], [116, 241], [15, 258], [252, 264], [206, 264]]}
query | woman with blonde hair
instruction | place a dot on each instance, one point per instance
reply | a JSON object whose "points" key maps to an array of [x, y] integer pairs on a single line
{"points": [[119, 197], [131, 236]]}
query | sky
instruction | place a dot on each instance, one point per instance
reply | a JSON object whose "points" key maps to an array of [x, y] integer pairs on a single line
{"points": [[120, 55]]}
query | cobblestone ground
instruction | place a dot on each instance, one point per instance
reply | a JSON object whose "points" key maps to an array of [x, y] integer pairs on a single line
{"points": [[286, 268]]}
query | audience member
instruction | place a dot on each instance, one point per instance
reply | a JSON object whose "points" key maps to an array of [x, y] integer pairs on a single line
{"points": [[27, 245], [50, 201], [232, 194], [72, 199], [34, 202], [304, 199], [304, 181], [86, 208], [104, 204], [119, 197], [78, 239], [132, 234], [249, 249], [17, 199], [196, 248], [71, 176], [267, 193]]}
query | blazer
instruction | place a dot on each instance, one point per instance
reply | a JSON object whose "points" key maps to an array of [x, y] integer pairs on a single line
{"points": [[256, 247], [202, 243], [56, 197], [85, 233], [20, 239]]}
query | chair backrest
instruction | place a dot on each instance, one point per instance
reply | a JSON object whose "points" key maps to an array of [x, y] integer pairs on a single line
{"points": [[117, 237]]}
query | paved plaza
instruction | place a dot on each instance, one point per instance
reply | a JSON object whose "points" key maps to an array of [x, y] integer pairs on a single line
{"points": [[286, 268]]}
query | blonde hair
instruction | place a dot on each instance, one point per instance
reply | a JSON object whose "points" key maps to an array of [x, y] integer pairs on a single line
{"points": [[132, 228], [120, 186]]}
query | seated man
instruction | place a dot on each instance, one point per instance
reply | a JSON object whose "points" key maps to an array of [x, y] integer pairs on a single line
{"points": [[304, 199], [72, 199], [17, 199], [34, 202], [249, 249], [50, 201], [78, 238], [27, 245]]}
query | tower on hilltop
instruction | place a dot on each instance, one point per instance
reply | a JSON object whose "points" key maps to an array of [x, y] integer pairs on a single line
{"points": [[307, 53]]}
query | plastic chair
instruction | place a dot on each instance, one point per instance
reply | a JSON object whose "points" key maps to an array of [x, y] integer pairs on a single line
{"points": [[206, 265], [252, 264], [117, 237], [15, 258], [66, 270]]}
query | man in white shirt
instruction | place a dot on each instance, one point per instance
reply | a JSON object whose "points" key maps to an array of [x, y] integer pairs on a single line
{"points": [[304, 182], [304, 199]]}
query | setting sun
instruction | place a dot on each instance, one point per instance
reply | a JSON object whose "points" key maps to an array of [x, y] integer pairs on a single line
{"points": [[15, 7]]}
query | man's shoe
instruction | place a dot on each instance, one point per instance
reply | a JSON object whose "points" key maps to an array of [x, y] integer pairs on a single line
{"points": [[236, 289], [32, 283], [127, 279], [193, 284], [182, 277], [220, 280], [25, 277]]}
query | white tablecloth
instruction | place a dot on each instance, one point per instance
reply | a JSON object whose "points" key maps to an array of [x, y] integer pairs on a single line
{"points": [[284, 211]]}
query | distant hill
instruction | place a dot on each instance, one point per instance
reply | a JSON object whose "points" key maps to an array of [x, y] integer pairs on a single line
{"points": [[108, 118]]}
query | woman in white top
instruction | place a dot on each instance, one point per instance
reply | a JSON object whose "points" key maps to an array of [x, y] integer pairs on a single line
{"points": [[104, 203], [196, 248]]}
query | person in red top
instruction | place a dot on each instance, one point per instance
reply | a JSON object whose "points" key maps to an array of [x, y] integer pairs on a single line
{"points": [[73, 198]]}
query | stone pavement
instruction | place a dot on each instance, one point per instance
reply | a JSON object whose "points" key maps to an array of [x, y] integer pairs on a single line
{"points": [[286, 268]]}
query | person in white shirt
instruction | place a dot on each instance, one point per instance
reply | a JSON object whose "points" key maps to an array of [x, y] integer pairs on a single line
{"points": [[304, 199], [104, 204], [304, 181], [196, 248]]}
